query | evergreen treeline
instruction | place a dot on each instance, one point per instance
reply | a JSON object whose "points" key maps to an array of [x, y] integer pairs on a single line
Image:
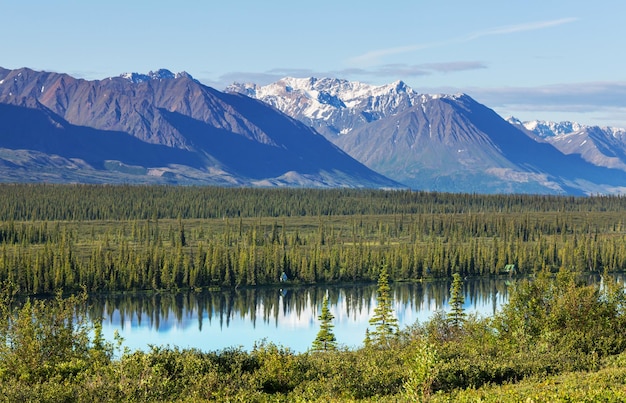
{"points": [[563, 339], [28, 202], [468, 234]]}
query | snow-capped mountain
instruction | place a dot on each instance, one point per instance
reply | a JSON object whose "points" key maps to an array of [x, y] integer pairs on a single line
{"points": [[161, 74], [159, 128], [602, 146], [545, 129], [332, 106], [163, 127], [435, 142]]}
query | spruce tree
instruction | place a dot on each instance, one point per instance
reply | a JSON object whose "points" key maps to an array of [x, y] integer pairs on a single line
{"points": [[368, 339], [325, 339], [456, 316], [384, 321]]}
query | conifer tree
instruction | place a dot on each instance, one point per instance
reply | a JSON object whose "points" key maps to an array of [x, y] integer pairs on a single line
{"points": [[456, 316], [368, 339], [384, 321], [325, 339]]}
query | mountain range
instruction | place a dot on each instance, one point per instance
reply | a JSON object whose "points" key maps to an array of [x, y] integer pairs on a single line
{"points": [[602, 146], [449, 142], [162, 127], [159, 127]]}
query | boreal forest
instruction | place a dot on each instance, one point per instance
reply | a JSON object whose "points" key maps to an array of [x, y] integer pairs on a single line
{"points": [[556, 339]]}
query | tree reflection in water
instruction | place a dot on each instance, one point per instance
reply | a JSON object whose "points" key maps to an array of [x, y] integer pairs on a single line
{"points": [[213, 320]]}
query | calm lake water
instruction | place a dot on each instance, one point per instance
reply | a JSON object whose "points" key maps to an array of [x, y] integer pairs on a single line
{"points": [[287, 317]]}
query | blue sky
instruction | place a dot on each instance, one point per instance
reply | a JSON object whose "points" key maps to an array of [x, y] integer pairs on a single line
{"points": [[550, 59]]}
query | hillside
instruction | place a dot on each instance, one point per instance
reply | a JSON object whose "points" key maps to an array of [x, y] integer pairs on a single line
{"points": [[160, 127], [438, 142]]}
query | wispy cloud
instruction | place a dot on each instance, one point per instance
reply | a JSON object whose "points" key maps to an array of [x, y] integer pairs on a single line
{"points": [[399, 71], [585, 95], [511, 29], [600, 103], [404, 71], [450, 67], [375, 56]]}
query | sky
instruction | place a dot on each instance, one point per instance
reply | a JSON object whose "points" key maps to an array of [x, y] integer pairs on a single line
{"points": [[547, 60]]}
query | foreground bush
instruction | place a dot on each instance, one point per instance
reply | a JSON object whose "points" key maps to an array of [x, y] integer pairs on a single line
{"points": [[556, 340]]}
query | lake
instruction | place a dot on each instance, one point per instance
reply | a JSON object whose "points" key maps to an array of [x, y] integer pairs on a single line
{"points": [[214, 320]]}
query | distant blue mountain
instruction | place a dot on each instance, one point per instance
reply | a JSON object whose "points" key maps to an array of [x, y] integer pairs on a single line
{"points": [[159, 128], [442, 142]]}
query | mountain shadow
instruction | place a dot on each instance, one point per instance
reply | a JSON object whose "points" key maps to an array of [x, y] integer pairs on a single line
{"points": [[42, 130], [542, 157], [293, 146]]}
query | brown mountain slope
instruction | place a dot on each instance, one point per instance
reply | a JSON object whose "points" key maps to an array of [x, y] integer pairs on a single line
{"points": [[227, 136]]}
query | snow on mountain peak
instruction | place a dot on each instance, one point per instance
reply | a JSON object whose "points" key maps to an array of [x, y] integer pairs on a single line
{"points": [[555, 130], [161, 74], [514, 121], [311, 86], [545, 129], [338, 102], [248, 89], [336, 106], [318, 97]]}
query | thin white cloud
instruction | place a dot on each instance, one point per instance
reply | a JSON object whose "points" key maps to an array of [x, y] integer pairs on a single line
{"points": [[600, 103], [374, 56], [511, 29], [402, 71], [399, 71], [450, 67], [587, 94]]}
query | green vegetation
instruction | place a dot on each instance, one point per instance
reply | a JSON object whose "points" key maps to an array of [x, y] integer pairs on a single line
{"points": [[457, 313], [125, 238], [573, 351], [556, 340], [325, 339], [384, 321], [422, 372]]}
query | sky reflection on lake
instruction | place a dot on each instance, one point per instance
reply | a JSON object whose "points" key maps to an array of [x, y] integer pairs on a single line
{"points": [[286, 317]]}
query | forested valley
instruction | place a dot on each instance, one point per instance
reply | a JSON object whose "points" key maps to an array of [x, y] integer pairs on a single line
{"points": [[123, 238], [556, 339]]}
